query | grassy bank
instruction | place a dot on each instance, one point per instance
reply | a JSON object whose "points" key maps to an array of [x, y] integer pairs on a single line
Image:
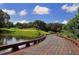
{"points": [[69, 35], [28, 33]]}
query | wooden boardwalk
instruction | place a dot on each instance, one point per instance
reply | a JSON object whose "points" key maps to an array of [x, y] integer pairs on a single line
{"points": [[52, 45]]}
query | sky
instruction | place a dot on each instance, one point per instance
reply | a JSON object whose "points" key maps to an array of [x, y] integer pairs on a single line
{"points": [[47, 12]]}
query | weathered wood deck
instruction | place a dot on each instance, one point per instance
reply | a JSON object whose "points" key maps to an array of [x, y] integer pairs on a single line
{"points": [[52, 45]]}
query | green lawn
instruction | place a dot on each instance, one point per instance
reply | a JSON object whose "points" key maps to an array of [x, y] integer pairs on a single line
{"points": [[28, 33]]}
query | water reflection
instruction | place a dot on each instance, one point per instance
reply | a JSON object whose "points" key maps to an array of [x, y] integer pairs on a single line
{"points": [[6, 40]]}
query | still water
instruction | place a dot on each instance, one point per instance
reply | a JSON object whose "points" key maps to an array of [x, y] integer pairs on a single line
{"points": [[6, 40]]}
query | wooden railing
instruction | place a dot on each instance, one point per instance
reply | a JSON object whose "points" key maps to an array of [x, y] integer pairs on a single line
{"points": [[15, 47], [76, 42]]}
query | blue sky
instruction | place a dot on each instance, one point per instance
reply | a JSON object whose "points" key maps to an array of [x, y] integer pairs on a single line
{"points": [[48, 12]]}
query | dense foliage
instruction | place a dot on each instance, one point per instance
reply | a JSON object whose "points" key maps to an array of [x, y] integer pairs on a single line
{"points": [[4, 19], [55, 27], [38, 24], [71, 29]]}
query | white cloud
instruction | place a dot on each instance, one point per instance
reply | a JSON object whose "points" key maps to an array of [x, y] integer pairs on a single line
{"points": [[65, 22], [64, 6], [41, 10], [10, 12], [21, 21], [23, 12], [72, 8]]}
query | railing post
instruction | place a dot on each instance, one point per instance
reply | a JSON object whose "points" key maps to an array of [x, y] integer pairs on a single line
{"points": [[15, 48], [38, 41], [35, 42], [27, 44], [43, 39]]}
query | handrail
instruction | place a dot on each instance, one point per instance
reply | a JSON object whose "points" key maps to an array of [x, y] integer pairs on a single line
{"points": [[70, 39], [15, 47]]}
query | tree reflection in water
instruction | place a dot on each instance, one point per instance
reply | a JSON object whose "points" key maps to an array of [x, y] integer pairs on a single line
{"points": [[5, 40]]}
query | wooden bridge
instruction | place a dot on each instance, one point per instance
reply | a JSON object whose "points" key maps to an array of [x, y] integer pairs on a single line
{"points": [[52, 45]]}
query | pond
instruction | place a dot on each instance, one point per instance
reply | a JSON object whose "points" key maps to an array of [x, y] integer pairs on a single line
{"points": [[7, 40]]}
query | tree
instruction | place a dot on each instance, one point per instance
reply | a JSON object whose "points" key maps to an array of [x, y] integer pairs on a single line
{"points": [[10, 24], [55, 27], [30, 25], [39, 24], [4, 18], [18, 25], [24, 25], [72, 26]]}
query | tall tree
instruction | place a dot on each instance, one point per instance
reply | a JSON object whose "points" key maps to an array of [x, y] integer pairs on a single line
{"points": [[40, 24], [18, 25], [72, 26], [4, 18]]}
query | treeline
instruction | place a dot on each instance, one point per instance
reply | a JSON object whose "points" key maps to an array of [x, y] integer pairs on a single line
{"points": [[71, 29], [38, 24]]}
